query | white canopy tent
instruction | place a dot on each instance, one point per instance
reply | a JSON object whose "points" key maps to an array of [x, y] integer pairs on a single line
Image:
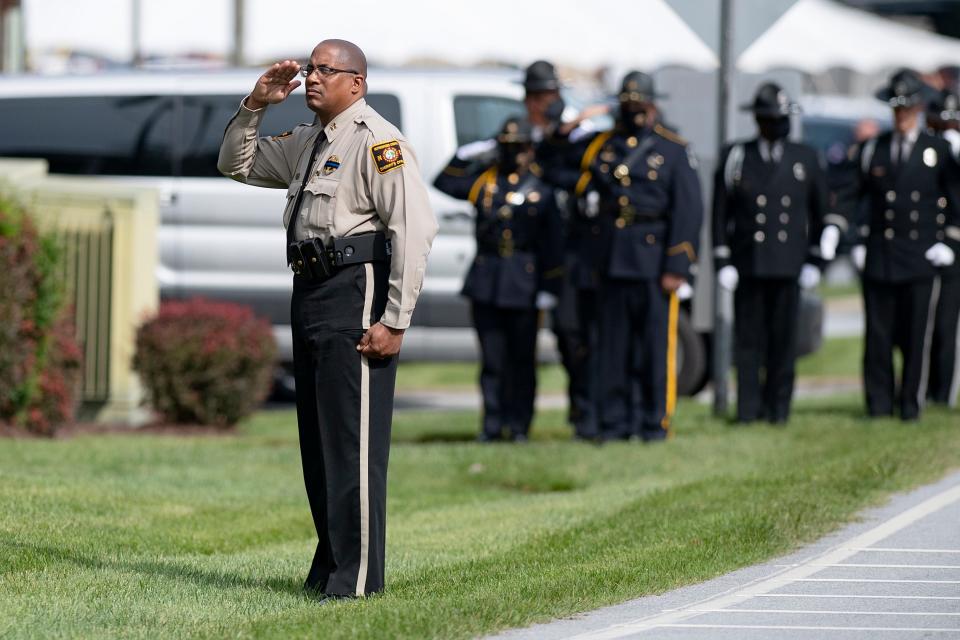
{"points": [[817, 35], [645, 34]]}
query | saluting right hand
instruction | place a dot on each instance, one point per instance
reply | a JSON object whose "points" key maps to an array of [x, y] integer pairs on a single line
{"points": [[274, 85]]}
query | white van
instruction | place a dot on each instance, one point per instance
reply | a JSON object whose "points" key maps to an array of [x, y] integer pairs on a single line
{"points": [[224, 240]]}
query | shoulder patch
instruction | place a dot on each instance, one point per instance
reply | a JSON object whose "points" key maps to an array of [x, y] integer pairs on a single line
{"points": [[668, 134], [387, 156], [285, 134]]}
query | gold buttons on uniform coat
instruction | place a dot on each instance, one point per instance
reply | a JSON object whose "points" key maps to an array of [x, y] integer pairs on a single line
{"points": [[651, 175], [784, 218], [914, 215], [529, 267], [505, 212], [785, 201], [782, 236], [761, 218], [888, 214], [621, 171], [604, 168], [513, 178], [759, 236], [631, 142], [651, 238], [891, 195], [625, 181], [620, 223], [507, 234], [533, 196], [623, 201], [942, 202], [761, 200], [888, 234], [914, 234], [941, 219], [915, 196]]}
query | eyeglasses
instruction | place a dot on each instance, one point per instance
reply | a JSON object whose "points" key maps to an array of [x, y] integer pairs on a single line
{"points": [[324, 70]]}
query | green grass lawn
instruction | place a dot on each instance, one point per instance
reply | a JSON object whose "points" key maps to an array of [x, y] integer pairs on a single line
{"points": [[113, 536]]}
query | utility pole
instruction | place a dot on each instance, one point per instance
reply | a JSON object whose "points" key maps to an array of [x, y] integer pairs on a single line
{"points": [[237, 55], [723, 299]]}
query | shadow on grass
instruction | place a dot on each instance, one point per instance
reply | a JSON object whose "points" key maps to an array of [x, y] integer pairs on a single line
{"points": [[165, 569]]}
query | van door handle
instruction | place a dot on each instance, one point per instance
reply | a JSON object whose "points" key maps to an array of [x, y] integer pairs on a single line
{"points": [[452, 216]]}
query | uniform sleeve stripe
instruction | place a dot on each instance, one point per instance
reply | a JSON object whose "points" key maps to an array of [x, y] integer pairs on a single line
{"points": [[683, 247]]}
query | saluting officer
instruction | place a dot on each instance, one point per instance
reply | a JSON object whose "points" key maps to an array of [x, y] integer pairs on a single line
{"points": [[909, 182], [943, 119], [640, 184], [769, 208], [517, 269], [359, 227]]}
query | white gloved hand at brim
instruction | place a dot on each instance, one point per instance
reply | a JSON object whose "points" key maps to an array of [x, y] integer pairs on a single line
{"points": [[728, 277], [684, 291], [829, 239], [546, 301], [940, 255], [809, 276], [858, 256]]}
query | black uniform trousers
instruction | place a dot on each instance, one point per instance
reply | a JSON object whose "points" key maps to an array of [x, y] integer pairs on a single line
{"points": [[944, 374], [508, 374], [637, 344], [766, 312], [573, 322], [897, 315], [344, 412]]}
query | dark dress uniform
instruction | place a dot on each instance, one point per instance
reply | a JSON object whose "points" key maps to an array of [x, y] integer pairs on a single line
{"points": [[767, 218], [518, 255], [352, 185], [648, 215], [945, 346], [910, 206], [769, 206]]}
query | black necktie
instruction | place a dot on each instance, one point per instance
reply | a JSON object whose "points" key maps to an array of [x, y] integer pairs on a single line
{"points": [[295, 214]]}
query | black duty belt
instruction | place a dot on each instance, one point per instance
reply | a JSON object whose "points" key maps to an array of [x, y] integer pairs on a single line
{"points": [[310, 259], [628, 216]]}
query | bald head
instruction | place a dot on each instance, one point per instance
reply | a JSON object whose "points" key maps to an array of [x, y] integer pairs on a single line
{"points": [[346, 54]]}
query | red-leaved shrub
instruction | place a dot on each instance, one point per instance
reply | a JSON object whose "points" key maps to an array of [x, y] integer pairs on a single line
{"points": [[205, 362], [39, 358]]}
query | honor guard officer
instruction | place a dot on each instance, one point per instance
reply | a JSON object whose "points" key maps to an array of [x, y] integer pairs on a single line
{"points": [[640, 184], [517, 269], [943, 119], [909, 182], [769, 208], [359, 227]]}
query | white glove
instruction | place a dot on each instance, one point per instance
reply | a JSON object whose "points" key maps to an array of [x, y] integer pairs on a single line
{"points": [[546, 301], [474, 150], [809, 276], [940, 255], [829, 239], [728, 277], [685, 291], [858, 255]]}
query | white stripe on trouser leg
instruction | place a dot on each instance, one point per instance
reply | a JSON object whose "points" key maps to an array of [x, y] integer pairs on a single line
{"points": [[955, 379], [365, 440], [927, 342]]}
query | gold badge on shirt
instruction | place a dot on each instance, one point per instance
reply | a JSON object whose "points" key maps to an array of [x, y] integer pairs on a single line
{"points": [[331, 165]]}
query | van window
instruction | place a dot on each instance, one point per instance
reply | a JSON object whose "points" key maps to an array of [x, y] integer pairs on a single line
{"points": [[480, 117], [134, 135], [114, 135]]}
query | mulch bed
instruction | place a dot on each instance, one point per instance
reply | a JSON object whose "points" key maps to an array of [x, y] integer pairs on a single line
{"points": [[89, 428]]}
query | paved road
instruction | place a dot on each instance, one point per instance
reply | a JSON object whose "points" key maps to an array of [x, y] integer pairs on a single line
{"points": [[894, 575]]}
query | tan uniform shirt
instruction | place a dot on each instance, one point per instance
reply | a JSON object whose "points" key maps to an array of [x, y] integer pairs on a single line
{"points": [[365, 178]]}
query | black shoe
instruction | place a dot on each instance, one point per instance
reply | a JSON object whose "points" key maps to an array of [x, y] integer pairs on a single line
{"points": [[487, 437], [520, 438]]}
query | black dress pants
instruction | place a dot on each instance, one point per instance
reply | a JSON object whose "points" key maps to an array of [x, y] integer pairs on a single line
{"points": [[637, 337], [897, 315], [508, 373], [573, 329], [945, 349], [344, 413], [765, 321]]}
